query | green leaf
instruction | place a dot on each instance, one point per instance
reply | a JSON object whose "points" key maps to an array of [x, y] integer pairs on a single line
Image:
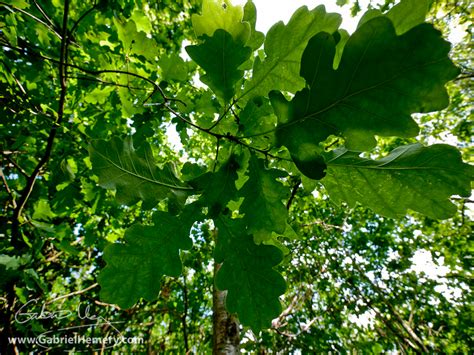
{"points": [[43, 211], [134, 268], [263, 207], [411, 177], [133, 173], [217, 188], [134, 41], [408, 14], [21, 4], [341, 43], [253, 286], [405, 15], [284, 46], [221, 15], [250, 15], [142, 21], [173, 67], [381, 79], [258, 121], [220, 56]]}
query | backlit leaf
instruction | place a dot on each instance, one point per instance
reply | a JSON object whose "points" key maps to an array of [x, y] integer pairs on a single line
{"points": [[253, 286], [250, 16], [133, 173], [221, 15], [381, 80], [284, 46], [220, 56], [263, 207], [134, 268], [411, 177], [218, 188]]}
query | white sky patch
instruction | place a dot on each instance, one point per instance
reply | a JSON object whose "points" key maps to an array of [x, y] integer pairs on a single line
{"points": [[363, 320], [423, 262], [270, 12], [173, 137]]}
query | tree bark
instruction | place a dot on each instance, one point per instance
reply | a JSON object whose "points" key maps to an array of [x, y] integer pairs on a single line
{"points": [[226, 333]]}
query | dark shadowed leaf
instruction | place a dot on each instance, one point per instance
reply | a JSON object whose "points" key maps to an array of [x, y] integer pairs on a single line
{"points": [[263, 195]]}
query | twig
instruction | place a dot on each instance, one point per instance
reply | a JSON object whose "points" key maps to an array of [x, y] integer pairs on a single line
{"points": [[22, 89], [185, 314], [166, 100], [404, 324], [221, 117], [46, 17], [466, 76], [235, 115], [15, 164], [326, 226], [106, 304], [464, 199], [217, 154], [76, 24], [293, 194], [31, 16], [100, 81], [75, 293], [52, 134], [7, 188]]}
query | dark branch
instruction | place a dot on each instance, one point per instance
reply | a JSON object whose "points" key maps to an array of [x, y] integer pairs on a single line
{"points": [[293, 193], [45, 16], [82, 17], [31, 16], [15, 164], [52, 134]]}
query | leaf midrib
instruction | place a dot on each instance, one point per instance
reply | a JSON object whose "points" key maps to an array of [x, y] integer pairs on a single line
{"points": [[185, 188]]}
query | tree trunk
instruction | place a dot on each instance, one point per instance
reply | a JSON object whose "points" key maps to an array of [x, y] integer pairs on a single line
{"points": [[226, 333]]}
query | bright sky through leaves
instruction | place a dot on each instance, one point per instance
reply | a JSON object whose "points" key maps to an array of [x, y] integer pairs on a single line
{"points": [[272, 11]]}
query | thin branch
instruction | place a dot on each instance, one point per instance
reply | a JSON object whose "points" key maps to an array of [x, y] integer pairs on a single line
{"points": [[54, 257], [82, 17], [52, 134], [325, 225], [166, 99], [293, 194], [221, 117], [5, 182], [464, 199], [106, 304], [22, 89], [404, 324], [185, 315], [46, 17], [218, 145], [15, 164], [31, 16], [463, 77], [75, 293], [235, 115], [100, 81]]}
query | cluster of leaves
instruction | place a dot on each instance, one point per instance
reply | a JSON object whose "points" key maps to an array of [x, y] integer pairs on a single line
{"points": [[309, 107], [392, 66]]}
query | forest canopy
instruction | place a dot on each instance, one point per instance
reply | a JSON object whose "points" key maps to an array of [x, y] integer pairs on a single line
{"points": [[175, 180]]}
